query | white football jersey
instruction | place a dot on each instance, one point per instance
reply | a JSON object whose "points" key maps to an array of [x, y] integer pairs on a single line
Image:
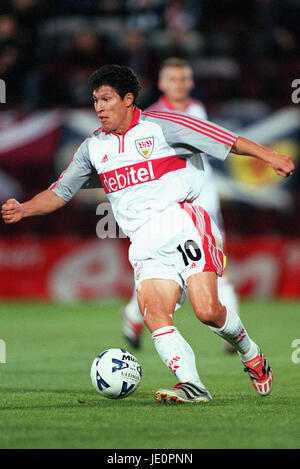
{"points": [[209, 197], [194, 108], [150, 167]]}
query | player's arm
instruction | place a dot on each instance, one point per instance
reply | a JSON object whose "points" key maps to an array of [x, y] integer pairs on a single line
{"points": [[45, 202], [215, 140], [282, 164], [58, 194]]}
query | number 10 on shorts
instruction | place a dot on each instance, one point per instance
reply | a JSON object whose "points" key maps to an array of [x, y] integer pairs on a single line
{"points": [[190, 251]]}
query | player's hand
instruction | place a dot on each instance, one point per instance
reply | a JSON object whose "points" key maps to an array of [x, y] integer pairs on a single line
{"points": [[283, 165], [12, 211]]}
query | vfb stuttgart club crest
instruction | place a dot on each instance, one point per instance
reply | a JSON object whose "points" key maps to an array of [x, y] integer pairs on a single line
{"points": [[145, 146]]}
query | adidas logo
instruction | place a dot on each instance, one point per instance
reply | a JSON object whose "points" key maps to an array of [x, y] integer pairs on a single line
{"points": [[193, 265], [104, 159]]}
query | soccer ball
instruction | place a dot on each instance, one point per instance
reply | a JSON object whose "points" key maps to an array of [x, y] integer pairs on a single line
{"points": [[116, 373]]}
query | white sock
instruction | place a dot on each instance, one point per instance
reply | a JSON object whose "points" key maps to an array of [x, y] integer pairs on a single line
{"points": [[235, 333], [177, 354], [227, 294]]}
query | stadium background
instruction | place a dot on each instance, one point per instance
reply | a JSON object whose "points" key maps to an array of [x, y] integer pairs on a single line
{"points": [[245, 57]]}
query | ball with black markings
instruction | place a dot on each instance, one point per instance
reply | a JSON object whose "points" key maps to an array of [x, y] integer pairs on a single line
{"points": [[116, 373]]}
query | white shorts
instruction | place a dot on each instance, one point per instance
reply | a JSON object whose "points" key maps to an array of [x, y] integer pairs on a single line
{"points": [[176, 243]]}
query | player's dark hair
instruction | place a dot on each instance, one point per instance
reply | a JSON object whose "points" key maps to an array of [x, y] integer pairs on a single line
{"points": [[122, 79]]}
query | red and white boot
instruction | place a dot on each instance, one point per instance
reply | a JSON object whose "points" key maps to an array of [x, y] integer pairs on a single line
{"points": [[260, 374]]}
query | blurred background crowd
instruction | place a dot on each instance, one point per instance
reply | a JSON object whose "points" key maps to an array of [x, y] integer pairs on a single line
{"points": [[238, 49], [245, 57]]}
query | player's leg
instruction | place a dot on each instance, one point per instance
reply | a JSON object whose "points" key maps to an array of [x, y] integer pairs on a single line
{"points": [[157, 299], [202, 289], [210, 201], [201, 280], [228, 297], [132, 321]]}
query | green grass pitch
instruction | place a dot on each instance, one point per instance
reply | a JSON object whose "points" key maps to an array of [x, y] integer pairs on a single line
{"points": [[47, 399]]}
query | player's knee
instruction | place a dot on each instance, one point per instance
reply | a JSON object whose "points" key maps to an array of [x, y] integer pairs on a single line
{"points": [[210, 313]]}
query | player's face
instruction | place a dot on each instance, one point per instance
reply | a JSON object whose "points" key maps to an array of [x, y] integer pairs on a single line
{"points": [[176, 82], [114, 112]]}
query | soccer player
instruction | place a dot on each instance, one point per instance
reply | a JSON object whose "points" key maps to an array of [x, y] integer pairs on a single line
{"points": [[147, 163], [176, 83]]}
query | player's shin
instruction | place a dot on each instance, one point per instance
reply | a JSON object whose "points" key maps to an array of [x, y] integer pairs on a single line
{"points": [[177, 354], [234, 332]]}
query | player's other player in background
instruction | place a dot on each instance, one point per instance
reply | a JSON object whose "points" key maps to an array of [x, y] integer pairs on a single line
{"points": [[176, 82]]}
